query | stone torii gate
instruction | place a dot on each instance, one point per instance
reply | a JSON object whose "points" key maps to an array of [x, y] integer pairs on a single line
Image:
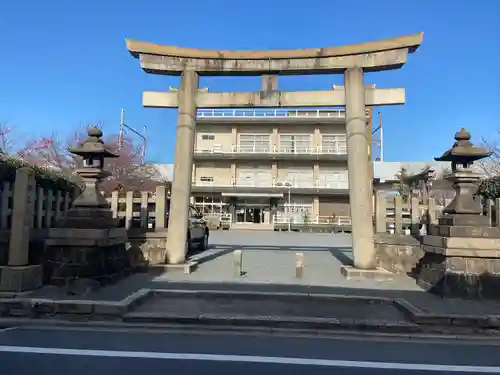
{"points": [[350, 60]]}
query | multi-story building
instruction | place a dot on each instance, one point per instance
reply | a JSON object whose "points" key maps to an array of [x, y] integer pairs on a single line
{"points": [[261, 166]]}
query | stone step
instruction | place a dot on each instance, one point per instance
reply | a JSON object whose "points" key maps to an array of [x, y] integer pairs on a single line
{"points": [[249, 226]]}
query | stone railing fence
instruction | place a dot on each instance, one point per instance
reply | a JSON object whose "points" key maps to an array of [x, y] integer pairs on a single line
{"points": [[144, 214], [136, 209], [394, 216], [38, 206]]}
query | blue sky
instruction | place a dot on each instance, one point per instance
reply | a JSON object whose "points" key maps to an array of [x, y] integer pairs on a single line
{"points": [[64, 63]]}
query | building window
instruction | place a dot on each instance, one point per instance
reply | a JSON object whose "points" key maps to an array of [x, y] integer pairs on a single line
{"points": [[333, 180], [334, 144], [211, 206], [300, 178], [254, 143], [298, 212], [208, 137], [295, 143]]}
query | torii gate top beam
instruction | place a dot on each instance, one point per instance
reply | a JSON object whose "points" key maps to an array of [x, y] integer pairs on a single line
{"points": [[371, 56]]}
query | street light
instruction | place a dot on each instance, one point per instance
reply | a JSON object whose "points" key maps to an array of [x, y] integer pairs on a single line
{"points": [[288, 185]]}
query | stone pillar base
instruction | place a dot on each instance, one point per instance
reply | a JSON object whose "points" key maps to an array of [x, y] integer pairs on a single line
{"points": [[186, 268], [377, 274], [397, 253], [95, 254], [461, 267], [463, 277], [20, 278]]}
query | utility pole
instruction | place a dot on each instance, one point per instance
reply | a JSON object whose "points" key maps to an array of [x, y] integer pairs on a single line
{"points": [[381, 136], [122, 131], [121, 137]]}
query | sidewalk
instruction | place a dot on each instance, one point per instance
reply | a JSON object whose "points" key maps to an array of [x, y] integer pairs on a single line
{"points": [[269, 266]]}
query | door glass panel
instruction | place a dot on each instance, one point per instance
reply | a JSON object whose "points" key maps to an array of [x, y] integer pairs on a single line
{"points": [[192, 212]]}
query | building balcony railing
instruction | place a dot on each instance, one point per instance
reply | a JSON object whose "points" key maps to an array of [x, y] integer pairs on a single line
{"points": [[279, 185], [337, 220], [277, 113], [338, 149]]}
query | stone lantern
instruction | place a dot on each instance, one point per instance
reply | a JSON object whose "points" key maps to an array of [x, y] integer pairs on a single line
{"points": [[464, 209], [87, 243], [461, 252], [91, 204]]}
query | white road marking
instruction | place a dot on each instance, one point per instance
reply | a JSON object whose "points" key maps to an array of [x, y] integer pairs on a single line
{"points": [[7, 329], [253, 359]]}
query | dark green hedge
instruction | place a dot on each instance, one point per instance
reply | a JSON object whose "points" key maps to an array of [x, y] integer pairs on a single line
{"points": [[489, 188], [44, 177]]}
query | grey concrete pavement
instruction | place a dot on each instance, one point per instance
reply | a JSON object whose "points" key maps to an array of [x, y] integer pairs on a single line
{"points": [[269, 261], [269, 257], [81, 351]]}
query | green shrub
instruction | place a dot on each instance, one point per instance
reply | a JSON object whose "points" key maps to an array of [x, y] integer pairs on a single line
{"points": [[46, 178], [489, 188]]}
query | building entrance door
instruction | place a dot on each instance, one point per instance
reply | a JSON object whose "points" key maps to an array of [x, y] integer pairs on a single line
{"points": [[251, 211]]}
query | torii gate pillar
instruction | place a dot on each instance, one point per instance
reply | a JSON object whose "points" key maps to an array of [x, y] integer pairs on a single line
{"points": [[360, 192], [183, 169]]}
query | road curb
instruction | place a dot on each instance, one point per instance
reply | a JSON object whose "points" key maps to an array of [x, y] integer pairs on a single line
{"points": [[37, 307], [85, 310], [299, 323]]}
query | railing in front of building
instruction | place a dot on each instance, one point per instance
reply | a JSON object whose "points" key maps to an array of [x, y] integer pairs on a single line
{"points": [[274, 113], [283, 185], [338, 149], [337, 220], [285, 219]]}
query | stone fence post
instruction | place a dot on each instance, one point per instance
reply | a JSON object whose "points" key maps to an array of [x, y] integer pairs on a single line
{"points": [[114, 204], [398, 214], [415, 215], [161, 207], [18, 275], [432, 213], [497, 212], [4, 204], [129, 209], [22, 217], [380, 212]]}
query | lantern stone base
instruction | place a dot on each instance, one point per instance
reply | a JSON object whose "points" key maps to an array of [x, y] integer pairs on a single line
{"points": [[96, 254], [20, 278], [398, 254], [467, 267]]}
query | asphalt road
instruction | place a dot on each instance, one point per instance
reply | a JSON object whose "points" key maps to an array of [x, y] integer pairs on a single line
{"points": [[131, 352]]}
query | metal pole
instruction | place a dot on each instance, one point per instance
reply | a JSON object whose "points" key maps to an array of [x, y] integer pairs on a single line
{"points": [[381, 137], [289, 203], [120, 134], [145, 143], [143, 136]]}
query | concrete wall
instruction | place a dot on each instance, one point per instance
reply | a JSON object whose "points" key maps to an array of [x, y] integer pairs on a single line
{"points": [[219, 170], [222, 134]]}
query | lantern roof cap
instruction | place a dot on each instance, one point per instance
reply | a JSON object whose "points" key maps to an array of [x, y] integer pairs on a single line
{"points": [[463, 150], [93, 145]]}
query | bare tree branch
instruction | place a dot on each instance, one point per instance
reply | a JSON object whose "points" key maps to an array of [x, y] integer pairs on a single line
{"points": [[7, 138], [491, 165]]}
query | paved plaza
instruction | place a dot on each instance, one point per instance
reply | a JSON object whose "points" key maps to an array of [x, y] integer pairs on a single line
{"points": [[269, 257]]}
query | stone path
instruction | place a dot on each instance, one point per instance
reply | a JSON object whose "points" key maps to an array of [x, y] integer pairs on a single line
{"points": [[269, 265], [269, 257]]}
